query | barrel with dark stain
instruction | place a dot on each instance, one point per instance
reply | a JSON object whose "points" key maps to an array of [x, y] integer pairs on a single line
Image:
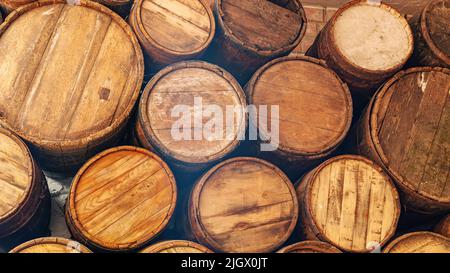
{"points": [[50, 245], [419, 242]]}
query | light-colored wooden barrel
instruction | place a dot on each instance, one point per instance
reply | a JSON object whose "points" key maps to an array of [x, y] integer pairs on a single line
{"points": [[24, 195], [121, 7], [51, 245], [443, 227], [365, 43], [310, 247], [405, 130], [172, 30], [180, 84], [315, 110], [243, 205], [121, 199], [70, 79], [349, 202], [8, 6], [177, 246], [419, 242], [431, 32], [252, 32]]}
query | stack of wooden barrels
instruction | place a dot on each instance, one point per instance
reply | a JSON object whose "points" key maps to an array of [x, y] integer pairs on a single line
{"points": [[191, 118]]}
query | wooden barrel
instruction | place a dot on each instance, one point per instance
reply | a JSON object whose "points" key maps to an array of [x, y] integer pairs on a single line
{"points": [[9, 5], [172, 30], [51, 245], [405, 130], [419, 242], [85, 54], [252, 32], [365, 43], [121, 7], [24, 195], [177, 246], [243, 205], [443, 227], [431, 31], [309, 247], [349, 202], [121, 199], [315, 110], [180, 86]]}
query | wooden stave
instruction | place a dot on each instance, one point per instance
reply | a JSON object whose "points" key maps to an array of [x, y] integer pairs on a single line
{"points": [[394, 242], [156, 248], [310, 246], [443, 227], [44, 240]]}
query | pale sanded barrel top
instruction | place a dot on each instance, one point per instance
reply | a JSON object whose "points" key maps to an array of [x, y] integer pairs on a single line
{"points": [[353, 203], [122, 198], [72, 73], [176, 247], [245, 205], [180, 85], [372, 37], [181, 26], [416, 106], [50, 245], [315, 107], [309, 247], [437, 16], [419, 242], [16, 173]]}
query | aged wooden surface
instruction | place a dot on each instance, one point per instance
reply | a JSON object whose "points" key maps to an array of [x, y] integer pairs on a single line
{"points": [[243, 205], [179, 84], [443, 227], [419, 242], [50, 245], [310, 247], [405, 130], [349, 202], [121, 199], [177, 246], [9, 5], [85, 54]]}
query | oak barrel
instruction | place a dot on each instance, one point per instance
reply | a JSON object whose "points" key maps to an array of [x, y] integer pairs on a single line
{"points": [[176, 246], [70, 94], [51, 245], [365, 43], [431, 32], [121, 199], [405, 130], [443, 227], [315, 110], [349, 202], [121, 7], [181, 85], [243, 205], [172, 30], [419, 242], [8, 6], [309, 247], [24, 195], [252, 32]]}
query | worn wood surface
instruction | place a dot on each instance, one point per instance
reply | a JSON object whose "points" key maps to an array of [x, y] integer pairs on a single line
{"points": [[310, 247], [177, 246], [419, 242], [243, 205], [121, 199], [85, 54], [8, 6], [443, 227], [50, 245]]}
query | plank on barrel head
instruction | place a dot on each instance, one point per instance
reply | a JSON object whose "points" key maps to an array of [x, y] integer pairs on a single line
{"points": [[50, 245], [419, 242], [310, 247], [177, 246]]}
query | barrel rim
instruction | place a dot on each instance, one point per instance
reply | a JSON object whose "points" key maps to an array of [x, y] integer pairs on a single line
{"points": [[319, 246], [158, 247], [51, 240], [71, 213], [399, 239]]}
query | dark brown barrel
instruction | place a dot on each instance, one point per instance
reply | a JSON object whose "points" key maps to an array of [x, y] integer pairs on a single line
{"points": [[364, 43], [177, 246], [431, 32], [310, 247], [349, 202], [24, 196], [443, 227], [252, 32], [50, 245], [405, 130], [121, 7], [419, 242]]}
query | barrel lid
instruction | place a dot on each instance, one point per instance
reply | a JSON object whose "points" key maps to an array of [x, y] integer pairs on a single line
{"points": [[315, 106], [178, 87], [121, 198], [419, 242], [435, 27], [50, 245], [177, 246], [16, 174], [415, 104], [372, 35], [73, 75], [353, 204], [243, 205], [310, 247]]}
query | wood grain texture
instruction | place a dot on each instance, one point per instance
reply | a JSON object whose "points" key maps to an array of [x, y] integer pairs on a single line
{"points": [[406, 130], [121, 199], [85, 54], [51, 245], [443, 227], [419, 242], [310, 247], [350, 202], [243, 205], [9, 5], [177, 246]]}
